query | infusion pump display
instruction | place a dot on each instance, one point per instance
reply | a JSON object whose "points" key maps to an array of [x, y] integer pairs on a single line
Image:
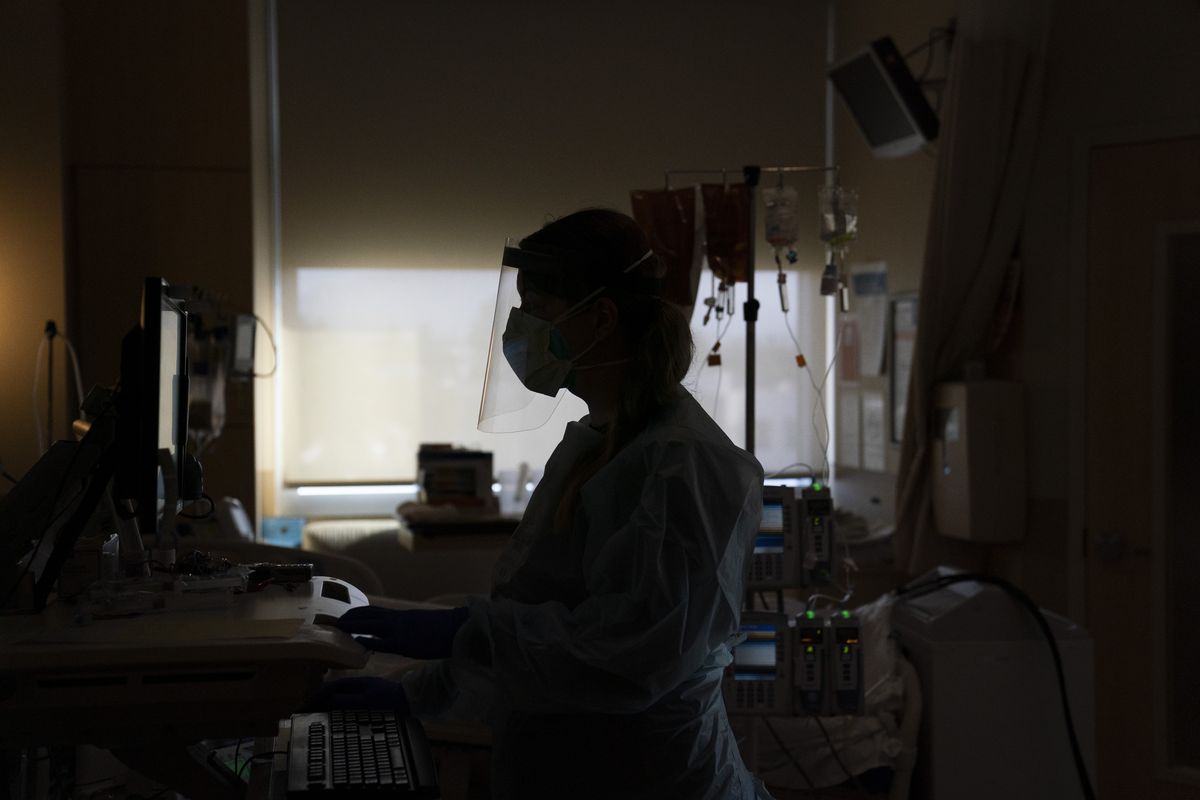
{"points": [[794, 546], [793, 666], [759, 662], [776, 562]]}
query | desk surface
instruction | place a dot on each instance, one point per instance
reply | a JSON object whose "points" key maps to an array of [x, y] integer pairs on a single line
{"points": [[206, 665]]}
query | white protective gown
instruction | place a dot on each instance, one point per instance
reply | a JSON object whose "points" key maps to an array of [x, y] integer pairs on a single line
{"points": [[598, 658]]}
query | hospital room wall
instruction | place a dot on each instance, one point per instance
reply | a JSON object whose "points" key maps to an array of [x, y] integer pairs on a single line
{"points": [[157, 160], [31, 253], [1111, 74], [124, 152], [894, 197]]}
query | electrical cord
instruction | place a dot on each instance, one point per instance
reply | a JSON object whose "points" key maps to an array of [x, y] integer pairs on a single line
{"points": [[37, 415], [259, 757], [935, 34], [212, 508], [75, 367], [274, 349], [833, 750], [1025, 601], [50, 519], [777, 473], [779, 740]]}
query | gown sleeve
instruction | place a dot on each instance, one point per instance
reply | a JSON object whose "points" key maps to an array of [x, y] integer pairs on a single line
{"points": [[664, 591]]}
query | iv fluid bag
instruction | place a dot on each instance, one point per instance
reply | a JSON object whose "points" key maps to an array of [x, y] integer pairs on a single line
{"points": [[839, 216], [668, 218], [727, 230], [782, 219]]}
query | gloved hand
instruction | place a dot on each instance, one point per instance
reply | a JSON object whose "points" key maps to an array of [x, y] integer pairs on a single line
{"points": [[364, 693], [415, 632]]}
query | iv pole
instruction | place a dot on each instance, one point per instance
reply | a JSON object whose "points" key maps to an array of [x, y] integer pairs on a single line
{"points": [[751, 175]]}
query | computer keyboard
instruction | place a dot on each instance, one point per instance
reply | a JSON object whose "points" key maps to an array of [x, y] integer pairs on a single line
{"points": [[338, 754]]}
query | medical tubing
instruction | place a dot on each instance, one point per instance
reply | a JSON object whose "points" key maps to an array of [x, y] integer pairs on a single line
{"points": [[782, 282], [822, 433], [721, 335], [717, 393], [1025, 601], [779, 740], [837, 342]]}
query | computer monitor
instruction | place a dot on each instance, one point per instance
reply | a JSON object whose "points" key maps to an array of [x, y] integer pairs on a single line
{"points": [[885, 100], [153, 405], [43, 516]]}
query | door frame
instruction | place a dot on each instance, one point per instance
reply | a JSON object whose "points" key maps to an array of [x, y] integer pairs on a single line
{"points": [[1160, 376], [1083, 144]]}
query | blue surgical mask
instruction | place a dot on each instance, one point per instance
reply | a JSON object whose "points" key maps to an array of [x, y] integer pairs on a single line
{"points": [[538, 353]]}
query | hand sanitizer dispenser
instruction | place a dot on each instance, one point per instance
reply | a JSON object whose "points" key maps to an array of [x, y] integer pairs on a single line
{"points": [[978, 461]]}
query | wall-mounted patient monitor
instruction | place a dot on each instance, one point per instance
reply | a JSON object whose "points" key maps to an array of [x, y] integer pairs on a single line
{"points": [[776, 562]]}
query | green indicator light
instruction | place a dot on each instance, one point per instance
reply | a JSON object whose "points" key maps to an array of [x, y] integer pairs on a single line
{"points": [[845, 615], [817, 487], [808, 649], [810, 614], [845, 649]]}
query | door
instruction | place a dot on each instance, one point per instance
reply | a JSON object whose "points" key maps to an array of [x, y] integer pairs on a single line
{"points": [[1143, 278]]}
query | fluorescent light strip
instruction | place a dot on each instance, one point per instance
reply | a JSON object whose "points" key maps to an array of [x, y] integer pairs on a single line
{"points": [[355, 491]]}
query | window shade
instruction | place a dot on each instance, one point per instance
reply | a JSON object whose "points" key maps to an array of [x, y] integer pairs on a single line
{"points": [[415, 137]]}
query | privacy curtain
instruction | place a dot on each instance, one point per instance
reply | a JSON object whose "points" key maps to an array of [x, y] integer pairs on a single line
{"points": [[985, 159]]}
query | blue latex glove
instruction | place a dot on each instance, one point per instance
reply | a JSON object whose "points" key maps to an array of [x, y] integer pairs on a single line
{"points": [[362, 693], [416, 632]]}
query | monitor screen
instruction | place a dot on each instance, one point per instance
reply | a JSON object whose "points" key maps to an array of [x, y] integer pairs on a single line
{"points": [[170, 368], [755, 658], [152, 404], [772, 516], [766, 543], [770, 529]]}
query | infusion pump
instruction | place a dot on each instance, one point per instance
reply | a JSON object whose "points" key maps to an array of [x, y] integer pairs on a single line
{"points": [[794, 545], [777, 560], [808, 665]]}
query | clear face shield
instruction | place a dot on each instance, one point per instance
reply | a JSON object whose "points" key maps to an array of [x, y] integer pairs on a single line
{"points": [[529, 365], [517, 351]]}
